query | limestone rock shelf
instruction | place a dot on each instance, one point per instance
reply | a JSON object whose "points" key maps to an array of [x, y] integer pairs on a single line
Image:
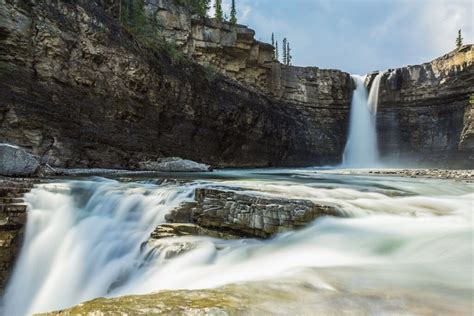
{"points": [[249, 215]]}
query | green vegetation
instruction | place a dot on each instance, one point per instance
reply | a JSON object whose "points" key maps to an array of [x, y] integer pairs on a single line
{"points": [[219, 15], [287, 57], [233, 14], [146, 29], [277, 52], [471, 99], [200, 7], [459, 39], [134, 18], [288, 54]]}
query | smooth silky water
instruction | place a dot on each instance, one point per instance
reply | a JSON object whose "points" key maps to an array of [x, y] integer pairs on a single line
{"points": [[405, 246]]}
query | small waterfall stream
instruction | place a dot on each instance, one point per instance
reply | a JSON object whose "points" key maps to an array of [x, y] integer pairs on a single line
{"points": [[361, 148]]}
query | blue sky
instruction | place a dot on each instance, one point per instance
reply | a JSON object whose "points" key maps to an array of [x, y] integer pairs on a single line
{"points": [[359, 36]]}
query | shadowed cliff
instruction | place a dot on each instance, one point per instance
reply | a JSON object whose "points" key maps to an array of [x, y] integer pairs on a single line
{"points": [[79, 90]]}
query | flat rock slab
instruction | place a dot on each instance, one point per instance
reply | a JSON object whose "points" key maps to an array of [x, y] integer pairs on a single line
{"points": [[183, 229], [249, 215]]}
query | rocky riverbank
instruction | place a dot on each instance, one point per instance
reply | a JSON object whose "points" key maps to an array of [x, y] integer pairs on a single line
{"points": [[460, 175]]}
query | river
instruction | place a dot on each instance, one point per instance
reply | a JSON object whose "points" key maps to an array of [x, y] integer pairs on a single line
{"points": [[404, 246]]}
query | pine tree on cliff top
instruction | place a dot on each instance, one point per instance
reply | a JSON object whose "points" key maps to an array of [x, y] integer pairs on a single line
{"points": [[233, 14], [285, 55], [288, 54], [203, 6], [459, 39], [277, 53], [273, 40], [219, 15]]}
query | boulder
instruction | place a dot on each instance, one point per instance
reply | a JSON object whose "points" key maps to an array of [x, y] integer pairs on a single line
{"points": [[15, 161], [174, 164]]}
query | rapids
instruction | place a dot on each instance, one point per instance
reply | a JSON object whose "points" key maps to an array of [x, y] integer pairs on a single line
{"points": [[407, 237]]}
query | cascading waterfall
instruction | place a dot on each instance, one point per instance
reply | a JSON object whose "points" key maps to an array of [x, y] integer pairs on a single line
{"points": [[361, 148], [373, 100], [85, 239]]}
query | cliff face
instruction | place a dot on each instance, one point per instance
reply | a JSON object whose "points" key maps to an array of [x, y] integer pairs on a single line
{"points": [[234, 52], [424, 112], [78, 90]]}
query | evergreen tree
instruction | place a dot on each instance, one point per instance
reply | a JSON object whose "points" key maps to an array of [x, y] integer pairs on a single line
{"points": [[233, 14], [219, 15], [202, 6], [273, 40], [459, 39], [277, 53], [288, 54], [134, 16], [285, 53]]}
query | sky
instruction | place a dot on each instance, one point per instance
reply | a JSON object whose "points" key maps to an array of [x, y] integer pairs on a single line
{"points": [[360, 36]]}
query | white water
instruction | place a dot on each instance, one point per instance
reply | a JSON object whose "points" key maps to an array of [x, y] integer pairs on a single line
{"points": [[361, 148], [373, 100], [84, 240]]}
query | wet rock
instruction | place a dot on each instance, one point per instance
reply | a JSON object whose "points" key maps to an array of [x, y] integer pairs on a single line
{"points": [[183, 229], [174, 164], [250, 215], [15, 161]]}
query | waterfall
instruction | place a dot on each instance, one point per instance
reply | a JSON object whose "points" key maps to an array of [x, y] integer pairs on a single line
{"points": [[373, 100], [361, 148], [84, 240]]}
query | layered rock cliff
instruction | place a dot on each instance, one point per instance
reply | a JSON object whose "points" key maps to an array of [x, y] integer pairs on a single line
{"points": [[233, 51], [80, 91], [425, 116]]}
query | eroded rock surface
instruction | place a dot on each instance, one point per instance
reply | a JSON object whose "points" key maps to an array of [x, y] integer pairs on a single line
{"points": [[249, 215], [296, 295], [183, 229]]}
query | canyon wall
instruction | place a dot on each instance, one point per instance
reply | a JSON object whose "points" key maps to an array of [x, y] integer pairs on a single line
{"points": [[80, 91], [425, 116]]}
